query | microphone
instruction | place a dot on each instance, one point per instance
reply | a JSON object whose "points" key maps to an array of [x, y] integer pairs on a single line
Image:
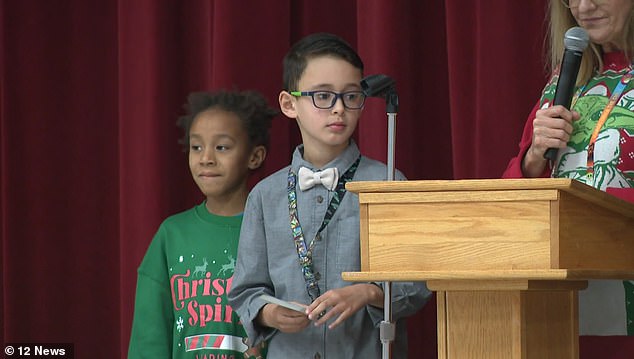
{"points": [[380, 85], [575, 42], [376, 85]]}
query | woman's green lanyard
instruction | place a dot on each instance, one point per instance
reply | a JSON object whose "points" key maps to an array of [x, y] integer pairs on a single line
{"points": [[614, 99]]}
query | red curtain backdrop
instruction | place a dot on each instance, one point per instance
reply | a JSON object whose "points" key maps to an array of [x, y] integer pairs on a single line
{"points": [[89, 160]]}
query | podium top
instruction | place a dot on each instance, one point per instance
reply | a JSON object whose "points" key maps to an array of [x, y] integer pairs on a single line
{"points": [[468, 185], [576, 188]]}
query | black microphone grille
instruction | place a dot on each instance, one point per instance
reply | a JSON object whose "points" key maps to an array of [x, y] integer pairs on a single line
{"points": [[376, 85], [576, 39]]}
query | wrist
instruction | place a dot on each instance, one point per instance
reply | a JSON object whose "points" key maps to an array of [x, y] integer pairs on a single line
{"points": [[261, 318], [376, 296], [533, 164]]}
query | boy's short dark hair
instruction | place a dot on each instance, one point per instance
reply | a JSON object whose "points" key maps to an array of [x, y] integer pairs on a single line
{"points": [[315, 45], [250, 107]]}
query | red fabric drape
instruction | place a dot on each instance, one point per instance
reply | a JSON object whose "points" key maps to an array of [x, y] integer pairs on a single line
{"points": [[496, 74], [89, 160]]}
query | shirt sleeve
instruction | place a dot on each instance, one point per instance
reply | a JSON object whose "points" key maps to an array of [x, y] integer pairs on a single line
{"points": [[626, 194], [153, 316], [407, 299], [514, 167], [251, 275]]}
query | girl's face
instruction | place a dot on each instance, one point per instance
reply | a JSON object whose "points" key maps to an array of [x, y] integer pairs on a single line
{"points": [[604, 20], [220, 156]]}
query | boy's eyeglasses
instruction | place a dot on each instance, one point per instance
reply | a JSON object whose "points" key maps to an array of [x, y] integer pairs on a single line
{"points": [[572, 4], [352, 100]]}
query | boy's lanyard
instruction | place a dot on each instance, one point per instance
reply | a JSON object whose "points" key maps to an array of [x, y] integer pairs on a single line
{"points": [[304, 252], [616, 95]]}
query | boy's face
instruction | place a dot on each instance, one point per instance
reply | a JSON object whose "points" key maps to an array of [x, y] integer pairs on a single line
{"points": [[324, 131], [220, 155]]}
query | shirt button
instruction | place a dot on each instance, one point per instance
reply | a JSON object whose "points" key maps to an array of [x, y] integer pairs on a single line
{"points": [[320, 199]]}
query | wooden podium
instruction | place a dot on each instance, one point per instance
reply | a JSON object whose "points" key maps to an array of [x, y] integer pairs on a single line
{"points": [[506, 257]]}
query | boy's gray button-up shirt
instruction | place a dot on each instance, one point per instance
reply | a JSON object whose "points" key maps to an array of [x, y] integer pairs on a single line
{"points": [[268, 263]]}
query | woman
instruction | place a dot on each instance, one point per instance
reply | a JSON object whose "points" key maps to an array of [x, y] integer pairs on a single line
{"points": [[595, 140]]}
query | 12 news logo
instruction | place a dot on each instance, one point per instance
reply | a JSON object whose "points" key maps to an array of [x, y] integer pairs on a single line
{"points": [[39, 350]]}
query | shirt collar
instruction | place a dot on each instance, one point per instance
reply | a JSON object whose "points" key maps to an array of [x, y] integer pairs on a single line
{"points": [[342, 162]]}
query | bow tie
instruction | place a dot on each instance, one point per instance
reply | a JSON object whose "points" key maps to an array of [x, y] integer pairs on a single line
{"points": [[308, 179]]}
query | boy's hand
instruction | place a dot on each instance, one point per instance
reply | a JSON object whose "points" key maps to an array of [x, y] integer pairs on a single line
{"points": [[283, 319], [343, 302]]}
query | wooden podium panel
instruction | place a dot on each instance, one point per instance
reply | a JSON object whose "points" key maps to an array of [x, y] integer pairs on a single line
{"points": [[492, 224], [506, 257], [507, 319]]}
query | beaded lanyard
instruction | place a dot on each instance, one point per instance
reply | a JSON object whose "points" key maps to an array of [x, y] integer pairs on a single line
{"points": [[305, 253], [616, 95]]}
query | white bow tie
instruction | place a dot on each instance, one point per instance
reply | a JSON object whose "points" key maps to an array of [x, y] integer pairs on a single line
{"points": [[308, 179]]}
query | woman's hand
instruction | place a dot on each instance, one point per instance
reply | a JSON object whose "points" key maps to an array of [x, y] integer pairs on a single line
{"points": [[552, 128]]}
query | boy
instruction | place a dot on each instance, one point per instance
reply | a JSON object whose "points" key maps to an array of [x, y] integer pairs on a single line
{"points": [[181, 308], [301, 229]]}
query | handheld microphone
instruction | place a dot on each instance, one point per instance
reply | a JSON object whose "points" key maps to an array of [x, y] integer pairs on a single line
{"points": [[575, 42]]}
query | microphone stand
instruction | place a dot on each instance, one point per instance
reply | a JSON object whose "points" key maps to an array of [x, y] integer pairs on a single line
{"points": [[387, 329], [391, 104], [383, 86]]}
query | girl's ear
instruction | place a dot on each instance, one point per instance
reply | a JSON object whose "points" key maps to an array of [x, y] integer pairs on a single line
{"points": [[257, 157], [287, 104]]}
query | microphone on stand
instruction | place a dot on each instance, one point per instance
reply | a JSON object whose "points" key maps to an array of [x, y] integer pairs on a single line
{"points": [[376, 85], [383, 86], [575, 42]]}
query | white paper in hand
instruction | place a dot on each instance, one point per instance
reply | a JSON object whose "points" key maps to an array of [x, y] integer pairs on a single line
{"points": [[296, 307]]}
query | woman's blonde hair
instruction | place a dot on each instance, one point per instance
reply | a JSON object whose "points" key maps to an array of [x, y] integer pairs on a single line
{"points": [[561, 20]]}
